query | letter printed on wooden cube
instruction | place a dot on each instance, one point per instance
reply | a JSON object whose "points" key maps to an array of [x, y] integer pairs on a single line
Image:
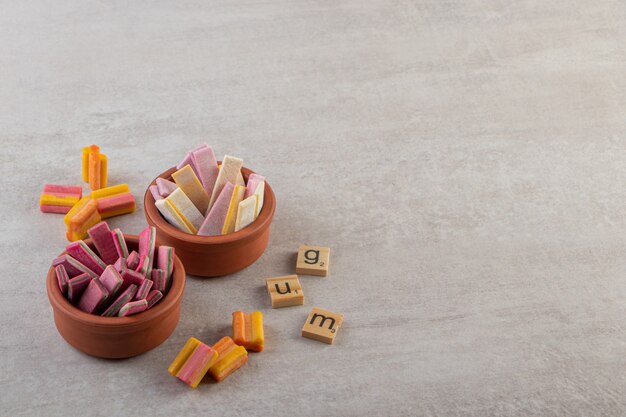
{"points": [[322, 325], [313, 260], [285, 291]]}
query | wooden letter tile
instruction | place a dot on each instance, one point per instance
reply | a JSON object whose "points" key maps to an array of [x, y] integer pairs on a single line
{"points": [[313, 260], [322, 325], [285, 291]]}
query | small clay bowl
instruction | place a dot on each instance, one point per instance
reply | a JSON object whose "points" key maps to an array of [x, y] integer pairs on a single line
{"points": [[118, 337], [214, 256]]}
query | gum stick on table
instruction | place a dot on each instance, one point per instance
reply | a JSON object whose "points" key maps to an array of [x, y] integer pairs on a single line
{"points": [[191, 186], [120, 243], [102, 239], [94, 168], [184, 354], [62, 278], [231, 357], [170, 214], [110, 191], [185, 208], [63, 190], [248, 330], [86, 165], [115, 307], [205, 166], [76, 286], [116, 205], [133, 307], [80, 251], [231, 212], [153, 297], [111, 280], [165, 187], [214, 221], [246, 213], [197, 365], [229, 170], [93, 297], [80, 218]]}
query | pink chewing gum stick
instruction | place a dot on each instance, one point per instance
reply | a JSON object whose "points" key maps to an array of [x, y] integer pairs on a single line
{"points": [[212, 225], [131, 277], [143, 290], [115, 203], [62, 278], [111, 280], [153, 297], [196, 363], [165, 259], [83, 253], [120, 243], [147, 243], [102, 239], [155, 192], [159, 279], [133, 307], [253, 181], [120, 264], [63, 190], [76, 286], [143, 266], [72, 266], [165, 187], [120, 301], [188, 159], [48, 208], [132, 260], [206, 167], [93, 297]]}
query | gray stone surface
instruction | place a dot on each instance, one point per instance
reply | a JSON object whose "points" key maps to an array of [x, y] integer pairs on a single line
{"points": [[465, 161]]}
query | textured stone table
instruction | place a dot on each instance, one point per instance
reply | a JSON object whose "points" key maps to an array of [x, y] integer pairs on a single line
{"points": [[465, 161]]}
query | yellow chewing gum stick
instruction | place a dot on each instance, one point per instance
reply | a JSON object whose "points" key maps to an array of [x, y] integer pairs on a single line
{"points": [[189, 183], [183, 355], [248, 330], [58, 201], [103, 166], [246, 213], [110, 191], [233, 207], [75, 209], [185, 208]]}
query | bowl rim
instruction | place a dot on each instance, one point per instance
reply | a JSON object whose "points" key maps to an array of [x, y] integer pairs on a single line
{"points": [[257, 226], [61, 303]]}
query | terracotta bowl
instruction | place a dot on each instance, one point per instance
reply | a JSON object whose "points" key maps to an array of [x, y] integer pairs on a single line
{"points": [[118, 337], [213, 256]]}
